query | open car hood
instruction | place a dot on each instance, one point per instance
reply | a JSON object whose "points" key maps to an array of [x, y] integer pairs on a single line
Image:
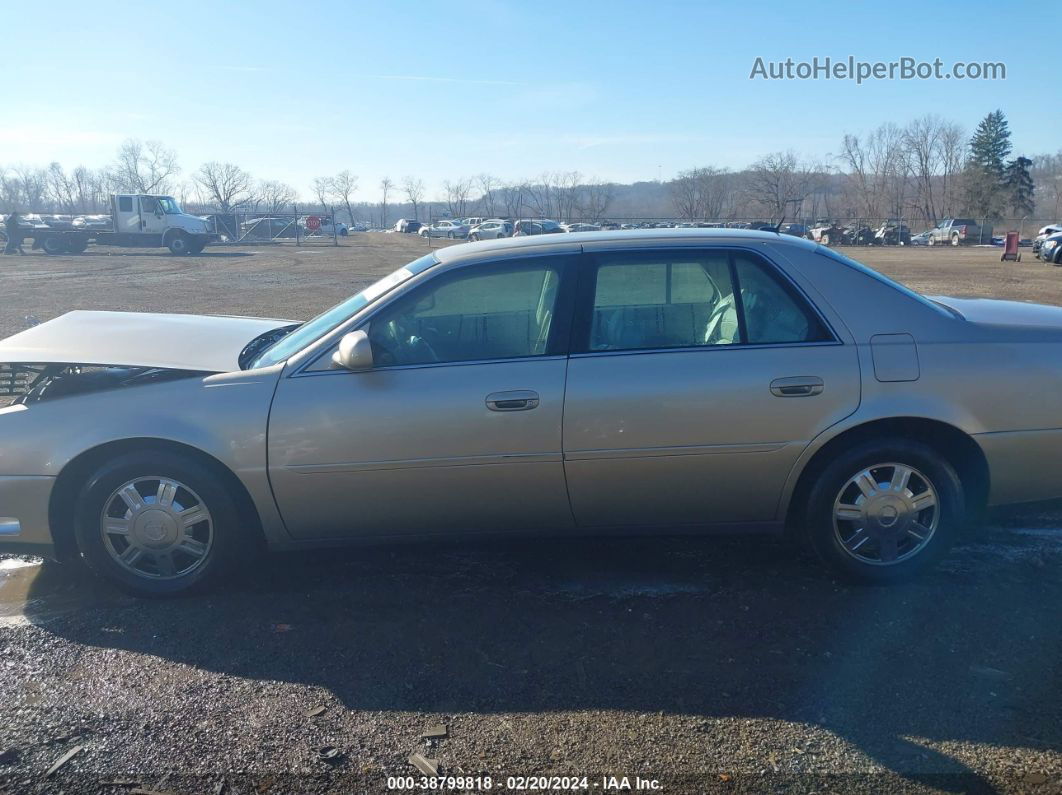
{"points": [[199, 343]]}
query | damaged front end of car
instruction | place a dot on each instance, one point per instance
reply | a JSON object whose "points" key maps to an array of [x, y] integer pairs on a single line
{"points": [[28, 383]]}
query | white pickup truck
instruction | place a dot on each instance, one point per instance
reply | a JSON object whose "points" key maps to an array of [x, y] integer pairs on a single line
{"points": [[136, 220]]}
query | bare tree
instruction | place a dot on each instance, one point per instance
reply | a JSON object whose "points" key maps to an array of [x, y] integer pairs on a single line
{"points": [[224, 184], [780, 181], [344, 184], [414, 189], [386, 186], [61, 188], [323, 188], [457, 196], [515, 194], [925, 153], [700, 193], [32, 186], [595, 197], [488, 187], [145, 167], [275, 196]]}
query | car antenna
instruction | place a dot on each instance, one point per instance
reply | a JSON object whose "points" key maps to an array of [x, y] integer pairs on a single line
{"points": [[778, 229]]}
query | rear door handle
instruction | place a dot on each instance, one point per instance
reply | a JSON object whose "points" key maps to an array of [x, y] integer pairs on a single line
{"points": [[797, 386], [513, 400]]}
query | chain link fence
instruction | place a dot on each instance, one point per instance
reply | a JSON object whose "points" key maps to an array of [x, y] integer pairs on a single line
{"points": [[296, 228]]}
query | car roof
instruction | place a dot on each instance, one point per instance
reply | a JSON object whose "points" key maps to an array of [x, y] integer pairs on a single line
{"points": [[633, 237]]}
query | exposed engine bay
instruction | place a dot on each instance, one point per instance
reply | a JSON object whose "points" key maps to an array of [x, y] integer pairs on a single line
{"points": [[33, 383]]}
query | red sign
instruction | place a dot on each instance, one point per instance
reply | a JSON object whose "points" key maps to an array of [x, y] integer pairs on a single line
{"points": [[313, 223]]}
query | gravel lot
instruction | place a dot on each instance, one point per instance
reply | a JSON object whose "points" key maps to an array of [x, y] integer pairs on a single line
{"points": [[706, 664]]}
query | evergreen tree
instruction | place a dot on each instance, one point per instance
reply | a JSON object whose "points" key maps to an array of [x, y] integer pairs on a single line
{"points": [[986, 190], [1019, 184], [990, 144]]}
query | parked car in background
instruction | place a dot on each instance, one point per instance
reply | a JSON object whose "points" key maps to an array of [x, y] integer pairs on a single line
{"points": [[1051, 250], [892, 233], [826, 232], [581, 227], [408, 226], [921, 239], [454, 230], [473, 221], [268, 228], [959, 232], [58, 221], [541, 226], [1044, 233], [324, 227], [491, 230], [796, 230], [92, 222]]}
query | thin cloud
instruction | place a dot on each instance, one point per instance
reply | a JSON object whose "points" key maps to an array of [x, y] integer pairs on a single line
{"points": [[433, 79]]}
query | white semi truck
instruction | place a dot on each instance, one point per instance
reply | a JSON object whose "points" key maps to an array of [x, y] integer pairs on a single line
{"points": [[137, 220]]}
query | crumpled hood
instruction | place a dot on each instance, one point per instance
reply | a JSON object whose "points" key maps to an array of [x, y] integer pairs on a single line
{"points": [[138, 339], [1004, 313]]}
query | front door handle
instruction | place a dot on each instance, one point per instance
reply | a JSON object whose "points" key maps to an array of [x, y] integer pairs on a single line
{"points": [[797, 386], [514, 400]]}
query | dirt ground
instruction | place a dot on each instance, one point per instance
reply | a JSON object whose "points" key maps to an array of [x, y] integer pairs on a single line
{"points": [[706, 664]]}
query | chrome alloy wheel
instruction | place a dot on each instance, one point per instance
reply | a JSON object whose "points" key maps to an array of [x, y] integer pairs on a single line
{"points": [[885, 514], [157, 527]]}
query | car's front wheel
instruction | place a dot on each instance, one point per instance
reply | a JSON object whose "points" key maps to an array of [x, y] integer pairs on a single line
{"points": [[885, 510], [156, 523]]}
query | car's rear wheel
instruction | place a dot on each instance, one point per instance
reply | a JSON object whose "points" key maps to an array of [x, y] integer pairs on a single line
{"points": [[157, 523], [955, 240], [885, 510]]}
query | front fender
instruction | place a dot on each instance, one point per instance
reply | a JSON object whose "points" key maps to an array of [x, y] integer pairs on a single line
{"points": [[224, 416]]}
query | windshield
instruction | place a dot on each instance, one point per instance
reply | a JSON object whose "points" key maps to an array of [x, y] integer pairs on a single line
{"points": [[313, 330], [169, 205]]}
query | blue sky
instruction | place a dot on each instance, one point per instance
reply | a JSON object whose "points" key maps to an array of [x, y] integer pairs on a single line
{"points": [[618, 90]]}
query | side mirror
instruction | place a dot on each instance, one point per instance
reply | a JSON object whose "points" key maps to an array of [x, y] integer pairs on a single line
{"points": [[355, 352]]}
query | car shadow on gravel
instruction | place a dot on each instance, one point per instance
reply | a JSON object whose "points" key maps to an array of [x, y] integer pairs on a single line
{"points": [[698, 627]]}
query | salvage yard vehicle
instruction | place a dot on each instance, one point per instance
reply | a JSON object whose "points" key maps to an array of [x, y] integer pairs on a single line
{"points": [[959, 232], [892, 233], [449, 229], [645, 381], [1044, 233], [1051, 250], [827, 233], [491, 230], [136, 221]]}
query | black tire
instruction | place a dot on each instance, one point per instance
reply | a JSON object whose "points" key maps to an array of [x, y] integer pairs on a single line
{"points": [[77, 245], [97, 494], [450, 235], [180, 244], [474, 238], [824, 538], [54, 244], [196, 247]]}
